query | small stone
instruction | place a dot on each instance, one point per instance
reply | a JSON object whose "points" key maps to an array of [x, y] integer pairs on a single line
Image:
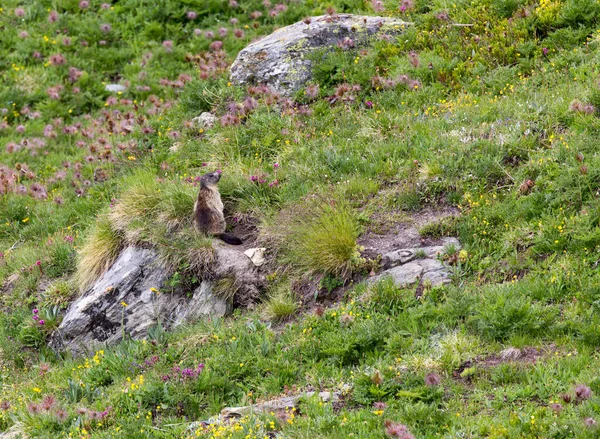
{"points": [[205, 120], [115, 88], [403, 275], [256, 255], [274, 405]]}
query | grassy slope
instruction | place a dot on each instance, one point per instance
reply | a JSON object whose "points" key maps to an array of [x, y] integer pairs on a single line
{"points": [[496, 104]]}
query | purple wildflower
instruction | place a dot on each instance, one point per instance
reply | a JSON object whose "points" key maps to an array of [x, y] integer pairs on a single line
{"points": [[379, 405], [583, 392], [432, 379], [556, 407], [394, 429]]}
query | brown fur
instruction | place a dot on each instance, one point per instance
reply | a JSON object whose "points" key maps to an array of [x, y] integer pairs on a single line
{"points": [[208, 209]]}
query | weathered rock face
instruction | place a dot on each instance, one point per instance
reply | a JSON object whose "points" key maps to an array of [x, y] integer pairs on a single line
{"points": [[280, 60], [125, 299], [407, 265]]}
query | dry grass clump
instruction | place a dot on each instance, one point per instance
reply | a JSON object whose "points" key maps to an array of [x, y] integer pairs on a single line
{"points": [[226, 288], [98, 253], [148, 202], [149, 212]]}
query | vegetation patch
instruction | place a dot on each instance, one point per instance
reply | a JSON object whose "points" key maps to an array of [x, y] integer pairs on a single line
{"points": [[486, 110]]}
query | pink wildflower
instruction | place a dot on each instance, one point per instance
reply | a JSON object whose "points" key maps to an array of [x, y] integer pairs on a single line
{"points": [[168, 45]]}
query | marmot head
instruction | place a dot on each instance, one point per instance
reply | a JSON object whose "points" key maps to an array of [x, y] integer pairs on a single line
{"points": [[210, 179]]}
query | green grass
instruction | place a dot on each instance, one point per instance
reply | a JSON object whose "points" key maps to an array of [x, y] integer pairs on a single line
{"points": [[323, 240], [281, 303], [60, 293], [492, 110]]}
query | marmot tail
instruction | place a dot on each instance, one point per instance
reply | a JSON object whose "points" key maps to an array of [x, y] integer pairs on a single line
{"points": [[230, 239]]}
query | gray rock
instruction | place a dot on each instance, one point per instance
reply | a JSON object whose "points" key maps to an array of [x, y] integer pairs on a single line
{"points": [[402, 256], [205, 120], [275, 405], [233, 264], [281, 60], [408, 274], [406, 269], [203, 303], [115, 88], [99, 316]]}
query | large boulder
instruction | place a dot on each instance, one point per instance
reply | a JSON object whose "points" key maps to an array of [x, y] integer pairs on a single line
{"points": [[281, 60], [127, 299]]}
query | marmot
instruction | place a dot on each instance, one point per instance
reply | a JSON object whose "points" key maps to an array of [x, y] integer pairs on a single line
{"points": [[208, 209]]}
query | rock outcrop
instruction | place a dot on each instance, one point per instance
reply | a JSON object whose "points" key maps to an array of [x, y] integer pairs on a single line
{"points": [[282, 59], [407, 266], [278, 406], [127, 299]]}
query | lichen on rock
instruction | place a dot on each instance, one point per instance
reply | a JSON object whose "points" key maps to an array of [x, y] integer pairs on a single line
{"points": [[281, 60], [127, 299]]}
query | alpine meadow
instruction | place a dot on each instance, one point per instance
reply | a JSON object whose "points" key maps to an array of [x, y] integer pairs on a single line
{"points": [[420, 217]]}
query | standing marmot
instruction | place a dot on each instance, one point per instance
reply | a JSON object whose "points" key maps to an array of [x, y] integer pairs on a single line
{"points": [[208, 209]]}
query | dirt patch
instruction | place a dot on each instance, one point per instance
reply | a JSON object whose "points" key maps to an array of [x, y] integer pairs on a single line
{"points": [[515, 355], [313, 295], [402, 230], [526, 355], [244, 227]]}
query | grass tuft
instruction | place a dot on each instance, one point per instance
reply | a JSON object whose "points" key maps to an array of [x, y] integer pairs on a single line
{"points": [[325, 241], [141, 200], [281, 303], [226, 288], [186, 250], [98, 253], [149, 212], [59, 293]]}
